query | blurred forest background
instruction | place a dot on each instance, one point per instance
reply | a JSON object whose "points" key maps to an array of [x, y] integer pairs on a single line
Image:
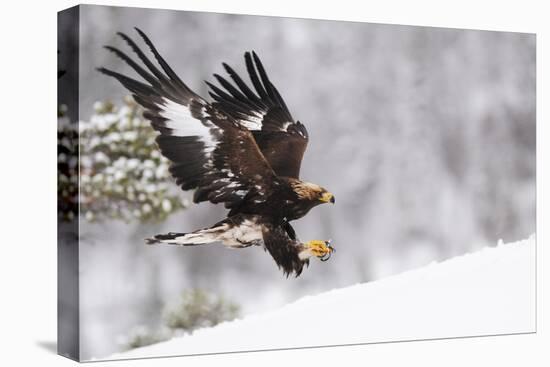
{"points": [[426, 136]]}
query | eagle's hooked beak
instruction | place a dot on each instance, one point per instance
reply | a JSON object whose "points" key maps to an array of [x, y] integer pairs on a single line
{"points": [[327, 197]]}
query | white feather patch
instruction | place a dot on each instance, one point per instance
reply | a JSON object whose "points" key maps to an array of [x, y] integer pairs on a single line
{"points": [[285, 126], [183, 124], [253, 121], [249, 231]]}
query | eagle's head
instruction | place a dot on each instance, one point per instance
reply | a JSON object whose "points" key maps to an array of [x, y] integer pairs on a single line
{"points": [[318, 248], [313, 193]]}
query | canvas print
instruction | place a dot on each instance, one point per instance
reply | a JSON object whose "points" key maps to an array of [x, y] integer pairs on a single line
{"points": [[233, 183]]}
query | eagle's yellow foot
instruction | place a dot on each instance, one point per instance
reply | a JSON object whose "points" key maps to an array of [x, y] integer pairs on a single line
{"points": [[319, 248]]}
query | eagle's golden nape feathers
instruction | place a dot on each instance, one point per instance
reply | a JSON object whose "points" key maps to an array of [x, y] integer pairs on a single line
{"points": [[312, 192]]}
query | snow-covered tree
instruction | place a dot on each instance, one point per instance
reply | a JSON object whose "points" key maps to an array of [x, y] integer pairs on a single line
{"points": [[122, 175], [67, 166]]}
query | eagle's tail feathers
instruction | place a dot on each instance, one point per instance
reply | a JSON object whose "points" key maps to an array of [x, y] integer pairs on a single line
{"points": [[200, 237]]}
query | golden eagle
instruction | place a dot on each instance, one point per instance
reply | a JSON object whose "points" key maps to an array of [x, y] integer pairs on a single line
{"points": [[244, 149]]}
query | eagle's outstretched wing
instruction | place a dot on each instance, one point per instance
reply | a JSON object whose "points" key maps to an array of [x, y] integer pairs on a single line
{"points": [[281, 140], [208, 148]]}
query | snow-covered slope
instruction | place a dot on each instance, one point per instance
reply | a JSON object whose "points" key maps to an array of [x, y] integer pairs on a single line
{"points": [[485, 293]]}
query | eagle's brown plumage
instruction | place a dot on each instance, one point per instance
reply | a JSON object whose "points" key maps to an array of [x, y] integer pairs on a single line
{"points": [[281, 140], [244, 150]]}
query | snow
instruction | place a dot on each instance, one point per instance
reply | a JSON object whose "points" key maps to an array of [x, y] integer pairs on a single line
{"points": [[488, 292]]}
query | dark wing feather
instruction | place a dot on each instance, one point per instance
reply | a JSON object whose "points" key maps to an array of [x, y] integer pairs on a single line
{"points": [[283, 248], [264, 112], [209, 150]]}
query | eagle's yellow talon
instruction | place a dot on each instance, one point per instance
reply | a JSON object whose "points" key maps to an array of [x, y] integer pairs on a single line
{"points": [[319, 248]]}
